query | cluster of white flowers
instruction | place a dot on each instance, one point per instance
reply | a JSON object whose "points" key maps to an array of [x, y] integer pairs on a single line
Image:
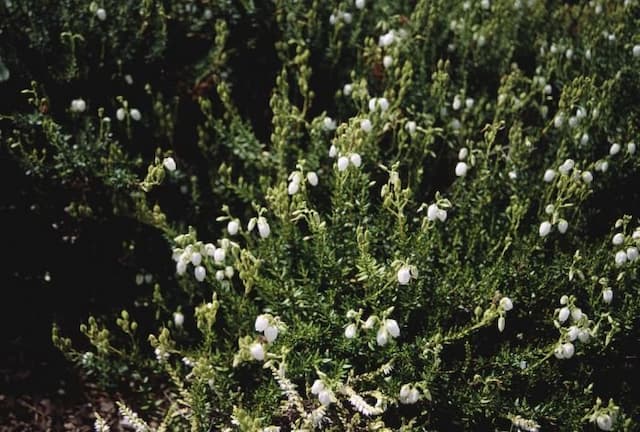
{"points": [[295, 180], [134, 113], [457, 102], [268, 325], [345, 17], [386, 327], [505, 306], [324, 393], [545, 227], [294, 183], [462, 167], [381, 104], [143, 278], [78, 105], [343, 161], [578, 330], [409, 394], [630, 253], [263, 226], [196, 252]]}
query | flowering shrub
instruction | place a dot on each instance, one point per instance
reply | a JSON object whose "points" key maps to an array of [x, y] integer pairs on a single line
{"points": [[433, 229]]}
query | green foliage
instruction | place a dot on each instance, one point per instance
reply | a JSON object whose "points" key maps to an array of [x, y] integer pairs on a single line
{"points": [[388, 250]]}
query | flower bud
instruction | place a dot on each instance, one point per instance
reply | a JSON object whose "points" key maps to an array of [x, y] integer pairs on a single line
{"points": [[558, 352], [506, 303], [405, 391], [567, 350], [576, 314], [196, 258], [410, 127], [573, 333], [317, 387], [549, 175], [343, 163], [271, 333], [228, 272], [169, 163], [607, 295], [135, 114], [583, 336], [263, 227], [257, 351], [233, 226], [293, 188], [392, 327], [432, 212], [442, 215], [333, 151], [101, 14], [366, 125], [325, 397], [312, 178], [631, 148], [356, 160], [350, 331], [501, 324], [614, 149], [463, 153], [414, 395], [461, 169], [178, 319], [382, 337], [262, 322], [620, 258], [404, 275], [545, 229], [181, 267], [563, 315], [200, 273], [604, 422], [369, 323], [562, 226]]}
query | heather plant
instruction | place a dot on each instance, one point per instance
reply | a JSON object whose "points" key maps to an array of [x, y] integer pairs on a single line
{"points": [[435, 228]]}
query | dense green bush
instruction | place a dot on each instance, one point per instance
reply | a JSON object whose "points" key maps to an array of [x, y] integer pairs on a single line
{"points": [[384, 215]]}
